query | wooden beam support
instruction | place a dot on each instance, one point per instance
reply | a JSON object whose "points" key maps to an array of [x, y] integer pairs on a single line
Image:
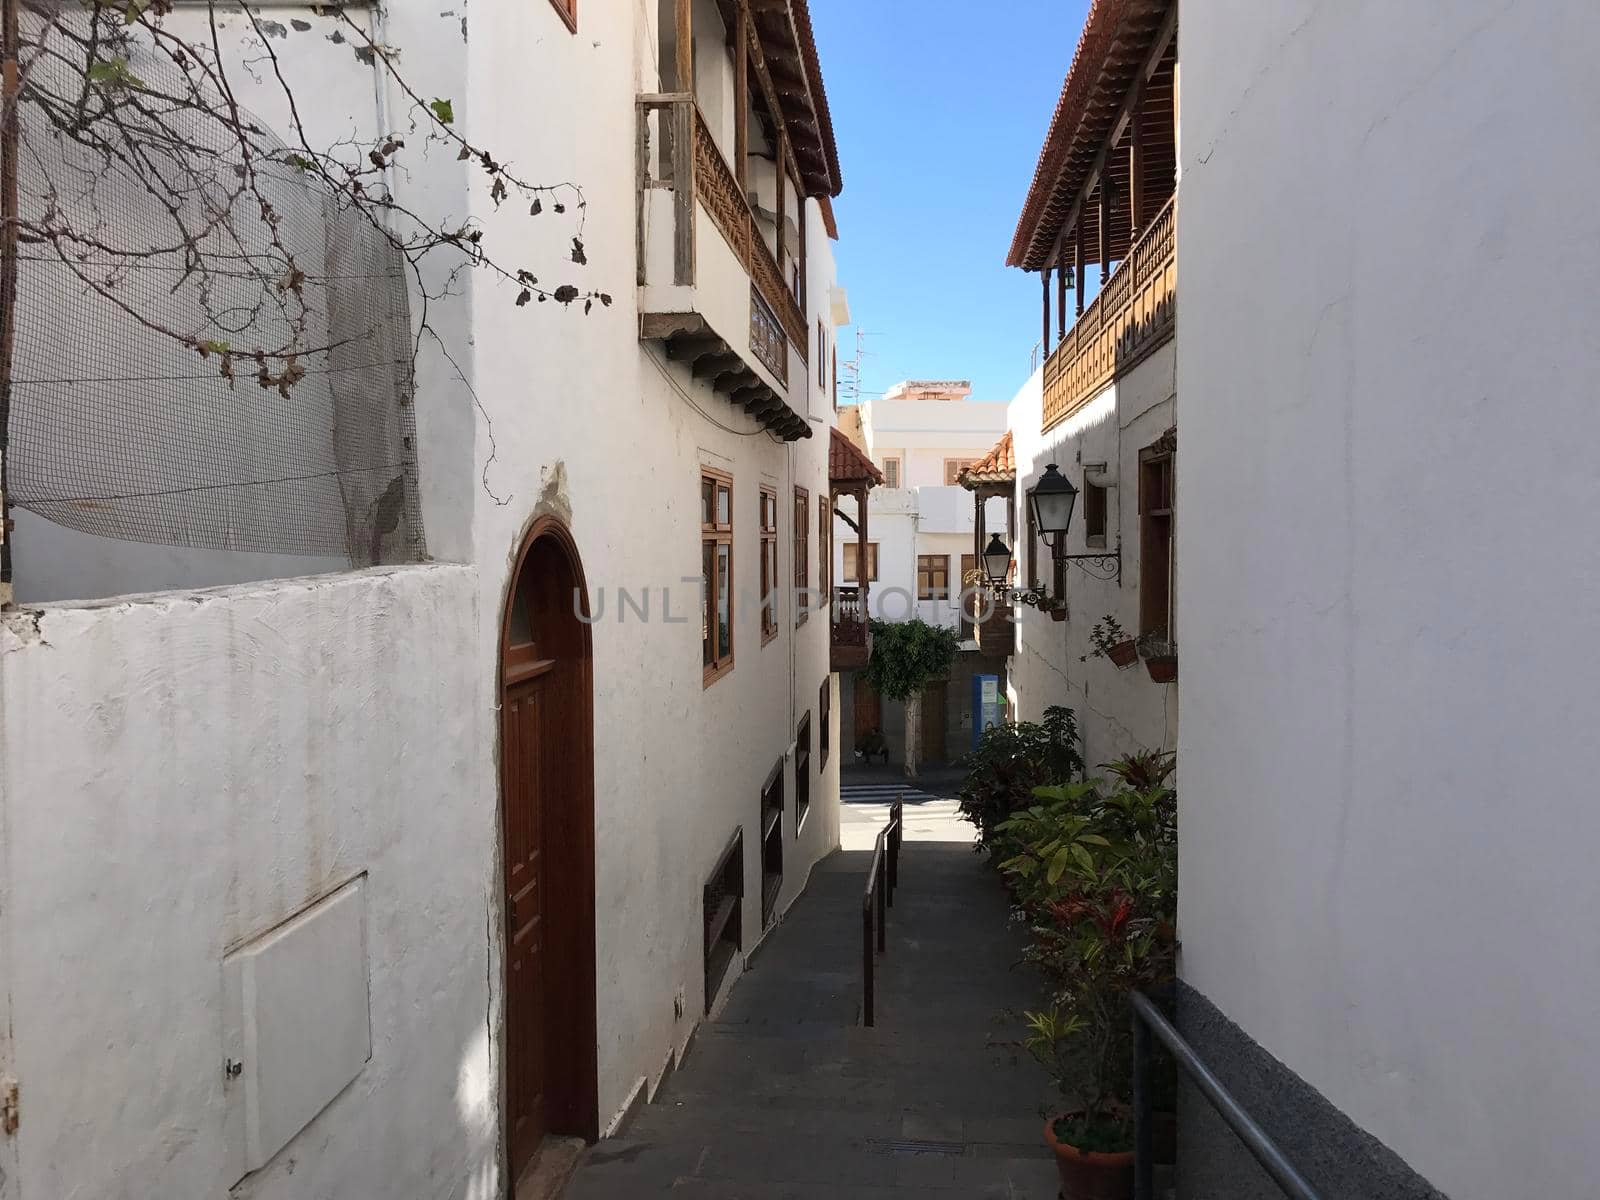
{"points": [[1061, 303], [800, 220], [741, 98], [1164, 36], [1079, 266], [782, 174], [1136, 172], [1044, 337], [715, 363], [1105, 231], [683, 185], [685, 47]]}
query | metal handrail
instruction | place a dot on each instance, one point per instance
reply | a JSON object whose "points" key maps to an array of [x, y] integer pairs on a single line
{"points": [[1148, 1019], [883, 877]]}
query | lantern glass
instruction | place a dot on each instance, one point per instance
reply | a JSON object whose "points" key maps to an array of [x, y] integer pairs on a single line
{"points": [[997, 561], [1052, 499]]}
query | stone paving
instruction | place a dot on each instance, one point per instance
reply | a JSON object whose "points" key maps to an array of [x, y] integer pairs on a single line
{"points": [[785, 1097]]}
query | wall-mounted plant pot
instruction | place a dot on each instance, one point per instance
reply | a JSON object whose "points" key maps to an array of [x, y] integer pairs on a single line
{"points": [[1124, 654], [1163, 668], [1058, 614]]}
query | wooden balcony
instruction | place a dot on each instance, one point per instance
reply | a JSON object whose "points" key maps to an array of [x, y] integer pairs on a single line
{"points": [[851, 645], [1134, 314], [719, 302]]}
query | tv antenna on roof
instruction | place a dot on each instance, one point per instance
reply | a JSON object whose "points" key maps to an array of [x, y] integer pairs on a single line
{"points": [[850, 385]]}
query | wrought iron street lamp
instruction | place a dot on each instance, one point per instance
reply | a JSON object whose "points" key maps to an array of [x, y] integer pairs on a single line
{"points": [[997, 562], [1051, 501]]}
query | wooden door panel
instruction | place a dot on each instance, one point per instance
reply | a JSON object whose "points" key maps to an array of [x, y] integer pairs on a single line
{"points": [[526, 770], [934, 702], [868, 708]]}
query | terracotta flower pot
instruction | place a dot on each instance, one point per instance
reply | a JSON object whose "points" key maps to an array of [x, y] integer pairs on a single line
{"points": [[1087, 1175], [1058, 614], [1124, 654], [1163, 669]]}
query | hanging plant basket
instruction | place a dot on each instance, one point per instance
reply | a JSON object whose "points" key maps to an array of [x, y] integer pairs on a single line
{"points": [[1058, 614], [1124, 654], [1160, 659]]}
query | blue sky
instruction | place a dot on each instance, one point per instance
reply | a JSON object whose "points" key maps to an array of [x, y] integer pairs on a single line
{"points": [[940, 108]]}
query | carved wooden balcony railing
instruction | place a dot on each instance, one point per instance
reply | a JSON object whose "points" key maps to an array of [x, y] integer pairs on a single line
{"points": [[851, 640], [1134, 314], [717, 188], [705, 176], [733, 331]]}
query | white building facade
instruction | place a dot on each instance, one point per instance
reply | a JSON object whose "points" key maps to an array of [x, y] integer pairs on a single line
{"points": [[1387, 566], [921, 434], [387, 797], [1102, 408]]}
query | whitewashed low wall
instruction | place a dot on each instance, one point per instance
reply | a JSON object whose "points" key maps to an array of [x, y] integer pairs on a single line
{"points": [[181, 773]]}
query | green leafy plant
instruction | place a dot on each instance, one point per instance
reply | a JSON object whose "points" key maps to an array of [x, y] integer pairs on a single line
{"points": [[1013, 759], [1095, 876], [907, 654], [1107, 632]]}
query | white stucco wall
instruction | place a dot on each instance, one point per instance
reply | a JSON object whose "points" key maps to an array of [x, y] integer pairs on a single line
{"points": [[1118, 711], [1386, 484], [601, 430], [319, 57], [180, 773], [569, 415]]}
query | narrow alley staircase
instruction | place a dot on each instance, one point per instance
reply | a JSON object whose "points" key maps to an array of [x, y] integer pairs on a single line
{"points": [[786, 1096]]}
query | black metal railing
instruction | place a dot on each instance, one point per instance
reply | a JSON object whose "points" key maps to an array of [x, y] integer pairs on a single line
{"points": [[1148, 1020], [883, 876]]}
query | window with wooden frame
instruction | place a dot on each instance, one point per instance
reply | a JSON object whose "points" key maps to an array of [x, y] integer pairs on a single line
{"points": [[722, 912], [1155, 540], [802, 772], [716, 565], [953, 468], [822, 355], [825, 717], [824, 551], [771, 826], [1095, 505], [802, 555], [891, 472], [569, 12], [1033, 547], [852, 568], [933, 576], [769, 563]]}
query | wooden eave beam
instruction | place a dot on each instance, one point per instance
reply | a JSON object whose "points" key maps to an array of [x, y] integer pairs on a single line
{"points": [[770, 91], [1164, 34]]}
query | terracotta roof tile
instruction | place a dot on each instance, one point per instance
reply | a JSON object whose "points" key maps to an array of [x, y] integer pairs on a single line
{"points": [[847, 463], [997, 466]]}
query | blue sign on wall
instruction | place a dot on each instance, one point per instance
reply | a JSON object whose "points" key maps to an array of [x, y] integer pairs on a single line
{"points": [[987, 708]]}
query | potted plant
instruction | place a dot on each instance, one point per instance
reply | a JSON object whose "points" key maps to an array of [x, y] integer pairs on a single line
{"points": [[1046, 603], [1012, 759], [1111, 640], [1096, 877], [1160, 658]]}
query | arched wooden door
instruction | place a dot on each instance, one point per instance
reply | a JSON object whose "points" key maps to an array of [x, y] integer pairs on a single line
{"points": [[547, 828]]}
